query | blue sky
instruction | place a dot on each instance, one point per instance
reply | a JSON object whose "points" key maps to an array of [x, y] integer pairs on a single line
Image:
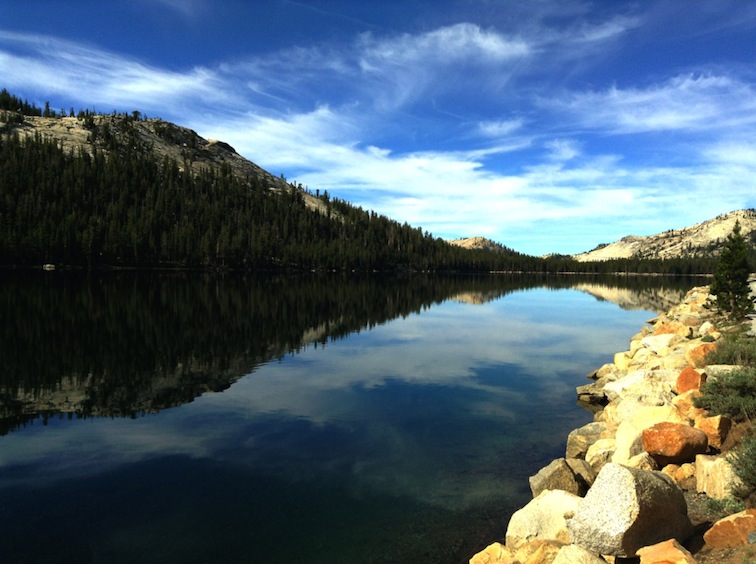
{"points": [[548, 126]]}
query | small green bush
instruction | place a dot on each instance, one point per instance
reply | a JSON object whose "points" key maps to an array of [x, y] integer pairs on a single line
{"points": [[734, 350], [726, 506], [743, 461], [732, 394]]}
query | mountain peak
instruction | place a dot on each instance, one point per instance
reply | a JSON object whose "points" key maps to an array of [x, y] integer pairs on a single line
{"points": [[699, 240]]}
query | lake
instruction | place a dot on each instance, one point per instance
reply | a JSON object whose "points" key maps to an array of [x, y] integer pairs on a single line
{"points": [[163, 417]]}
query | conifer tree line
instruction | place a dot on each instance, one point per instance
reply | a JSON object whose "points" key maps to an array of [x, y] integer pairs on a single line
{"points": [[118, 204], [730, 284]]}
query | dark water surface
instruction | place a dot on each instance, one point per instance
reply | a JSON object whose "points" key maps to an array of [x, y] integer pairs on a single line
{"points": [[192, 418]]}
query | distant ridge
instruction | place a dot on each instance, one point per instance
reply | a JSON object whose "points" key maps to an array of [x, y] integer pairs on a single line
{"points": [[701, 240]]}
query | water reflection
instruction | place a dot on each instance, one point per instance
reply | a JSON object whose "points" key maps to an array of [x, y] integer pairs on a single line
{"points": [[124, 344], [409, 442]]}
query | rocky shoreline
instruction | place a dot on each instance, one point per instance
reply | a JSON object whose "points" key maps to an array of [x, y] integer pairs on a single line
{"points": [[632, 483]]}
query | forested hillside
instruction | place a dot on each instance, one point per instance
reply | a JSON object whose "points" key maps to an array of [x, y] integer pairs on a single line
{"points": [[116, 196], [114, 202]]}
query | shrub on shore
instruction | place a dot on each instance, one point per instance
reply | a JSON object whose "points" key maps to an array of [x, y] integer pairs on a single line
{"points": [[735, 349], [732, 394], [743, 460]]}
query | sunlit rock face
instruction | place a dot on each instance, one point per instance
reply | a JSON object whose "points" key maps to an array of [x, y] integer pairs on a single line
{"points": [[627, 509], [702, 239]]}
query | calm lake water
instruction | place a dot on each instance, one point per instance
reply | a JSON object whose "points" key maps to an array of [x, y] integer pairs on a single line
{"points": [[193, 418]]}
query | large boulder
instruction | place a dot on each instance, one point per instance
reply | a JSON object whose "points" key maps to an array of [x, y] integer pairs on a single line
{"points": [[674, 443], [627, 509], [735, 530], [645, 359], [572, 475], [715, 476], [716, 427], [689, 379], [543, 518], [580, 439], [629, 439], [558, 475]]}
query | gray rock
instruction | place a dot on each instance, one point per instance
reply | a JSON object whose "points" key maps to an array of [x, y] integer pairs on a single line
{"points": [[580, 439], [571, 475], [592, 394], [627, 509], [583, 471]]}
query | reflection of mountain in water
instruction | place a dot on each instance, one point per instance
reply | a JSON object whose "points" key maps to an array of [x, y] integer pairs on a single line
{"points": [[122, 344], [652, 299]]}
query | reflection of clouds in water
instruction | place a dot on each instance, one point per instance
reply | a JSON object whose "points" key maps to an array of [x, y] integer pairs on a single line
{"points": [[407, 408], [538, 333], [65, 449]]}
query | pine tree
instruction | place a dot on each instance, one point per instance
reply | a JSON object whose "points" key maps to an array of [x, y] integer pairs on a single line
{"points": [[731, 277]]}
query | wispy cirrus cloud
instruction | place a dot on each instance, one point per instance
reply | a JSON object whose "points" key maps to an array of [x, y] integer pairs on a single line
{"points": [[94, 76], [463, 128], [187, 8], [443, 46], [685, 102], [499, 128]]}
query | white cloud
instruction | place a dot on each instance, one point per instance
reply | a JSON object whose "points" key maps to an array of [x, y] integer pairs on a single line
{"points": [[98, 77], [563, 149], [685, 102], [443, 46], [368, 121], [603, 31], [733, 153], [499, 128]]}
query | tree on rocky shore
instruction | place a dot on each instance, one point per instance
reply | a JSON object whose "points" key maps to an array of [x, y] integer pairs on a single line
{"points": [[731, 276]]}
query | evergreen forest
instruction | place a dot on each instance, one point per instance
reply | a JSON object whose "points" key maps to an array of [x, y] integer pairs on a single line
{"points": [[117, 204]]}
